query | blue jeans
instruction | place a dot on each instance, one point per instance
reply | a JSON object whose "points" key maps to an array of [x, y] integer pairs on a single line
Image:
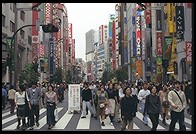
{"points": [[145, 119]]}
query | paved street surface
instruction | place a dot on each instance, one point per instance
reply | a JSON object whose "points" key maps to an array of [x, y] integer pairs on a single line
{"points": [[73, 122]]}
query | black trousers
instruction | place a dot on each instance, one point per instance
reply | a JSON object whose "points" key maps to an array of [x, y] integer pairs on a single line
{"points": [[177, 116], [155, 120], [34, 112]]}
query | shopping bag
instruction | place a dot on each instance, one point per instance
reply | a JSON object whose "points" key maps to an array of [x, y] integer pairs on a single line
{"points": [[107, 111], [56, 115]]}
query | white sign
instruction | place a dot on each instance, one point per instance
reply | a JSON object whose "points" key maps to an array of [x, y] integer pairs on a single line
{"points": [[73, 97]]}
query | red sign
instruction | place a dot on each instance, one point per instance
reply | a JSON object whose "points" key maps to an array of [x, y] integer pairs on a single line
{"points": [[188, 52], [189, 5], [47, 12], [70, 30], [148, 13], [159, 44]]}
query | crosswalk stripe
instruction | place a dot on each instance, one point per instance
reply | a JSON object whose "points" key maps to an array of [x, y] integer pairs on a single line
{"points": [[62, 123], [42, 122], [140, 116], [186, 119], [13, 126], [107, 124], [85, 122], [9, 119], [177, 124], [7, 113]]}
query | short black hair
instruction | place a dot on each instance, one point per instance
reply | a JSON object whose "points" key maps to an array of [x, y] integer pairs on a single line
{"points": [[176, 82], [33, 83], [124, 90]]}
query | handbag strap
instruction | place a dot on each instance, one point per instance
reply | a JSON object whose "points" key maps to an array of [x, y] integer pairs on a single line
{"points": [[178, 97]]}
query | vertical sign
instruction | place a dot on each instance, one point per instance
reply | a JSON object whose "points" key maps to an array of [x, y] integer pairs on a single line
{"points": [[168, 47], [158, 20], [159, 44], [170, 18], [134, 43], [180, 22], [138, 35], [148, 13], [51, 42], [133, 65], [70, 30], [188, 52], [48, 13], [74, 97], [114, 45]]}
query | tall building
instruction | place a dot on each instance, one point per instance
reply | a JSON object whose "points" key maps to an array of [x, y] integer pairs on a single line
{"points": [[91, 40], [14, 17]]}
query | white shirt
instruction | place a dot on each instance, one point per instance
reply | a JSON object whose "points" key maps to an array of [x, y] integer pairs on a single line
{"points": [[120, 93], [20, 98], [143, 93], [134, 91]]}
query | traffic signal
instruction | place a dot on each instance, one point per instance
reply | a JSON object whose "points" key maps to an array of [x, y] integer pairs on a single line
{"points": [[49, 28], [175, 65]]}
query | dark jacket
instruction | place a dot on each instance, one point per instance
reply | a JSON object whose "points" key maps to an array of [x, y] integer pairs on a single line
{"points": [[86, 94], [128, 109], [152, 104]]}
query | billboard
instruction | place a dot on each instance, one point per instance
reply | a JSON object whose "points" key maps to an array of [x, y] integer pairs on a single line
{"points": [[73, 97], [180, 22], [168, 47], [139, 68], [148, 13], [138, 35], [51, 44], [159, 44], [70, 30], [158, 20], [188, 52], [134, 43], [170, 17], [48, 13]]}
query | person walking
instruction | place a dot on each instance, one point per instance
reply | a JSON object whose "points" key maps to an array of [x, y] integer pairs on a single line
{"points": [[4, 96], [128, 109], [21, 99], [34, 95], [113, 101], [142, 98], [163, 94], [153, 107], [177, 100], [102, 101], [86, 100], [51, 104], [11, 97]]}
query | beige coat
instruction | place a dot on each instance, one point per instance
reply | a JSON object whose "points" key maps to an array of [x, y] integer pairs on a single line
{"points": [[174, 100]]}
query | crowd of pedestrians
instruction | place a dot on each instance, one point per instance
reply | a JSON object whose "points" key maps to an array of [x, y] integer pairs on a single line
{"points": [[117, 101]]}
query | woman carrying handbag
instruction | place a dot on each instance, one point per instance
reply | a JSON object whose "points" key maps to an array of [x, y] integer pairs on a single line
{"points": [[51, 105]]}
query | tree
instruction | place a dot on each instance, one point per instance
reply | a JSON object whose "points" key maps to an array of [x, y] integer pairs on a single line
{"points": [[58, 75], [29, 74], [121, 74], [68, 77]]}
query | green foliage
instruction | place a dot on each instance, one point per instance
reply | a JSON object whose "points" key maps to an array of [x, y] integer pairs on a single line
{"points": [[68, 77], [28, 74], [58, 75]]}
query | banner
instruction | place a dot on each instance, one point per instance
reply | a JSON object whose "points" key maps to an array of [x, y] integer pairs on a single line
{"points": [[174, 53], [168, 47], [73, 97], [188, 52], [134, 43], [159, 44], [148, 13], [138, 35], [158, 20], [170, 17], [133, 65], [180, 22], [139, 68], [51, 41]]}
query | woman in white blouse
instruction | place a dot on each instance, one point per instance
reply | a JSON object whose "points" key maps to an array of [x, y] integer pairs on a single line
{"points": [[51, 104], [21, 98]]}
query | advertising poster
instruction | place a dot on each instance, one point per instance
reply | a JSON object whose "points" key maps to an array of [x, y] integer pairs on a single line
{"points": [[139, 68], [170, 18], [133, 65], [158, 20], [180, 22], [73, 97], [168, 47], [159, 44], [188, 52]]}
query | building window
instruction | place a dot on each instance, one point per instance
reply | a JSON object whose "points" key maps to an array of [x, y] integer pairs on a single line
{"points": [[11, 6], [14, 7], [22, 16], [22, 33], [12, 26], [29, 40], [3, 20]]}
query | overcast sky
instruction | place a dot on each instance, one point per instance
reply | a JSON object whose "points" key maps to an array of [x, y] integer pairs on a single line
{"points": [[84, 17]]}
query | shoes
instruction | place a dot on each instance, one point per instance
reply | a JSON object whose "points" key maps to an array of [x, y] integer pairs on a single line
{"points": [[31, 128], [83, 117], [111, 124], [86, 113], [18, 126], [102, 124], [37, 124], [95, 117], [146, 124], [49, 127]]}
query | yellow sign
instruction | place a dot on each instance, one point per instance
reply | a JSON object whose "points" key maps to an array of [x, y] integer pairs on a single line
{"points": [[170, 13], [174, 53]]}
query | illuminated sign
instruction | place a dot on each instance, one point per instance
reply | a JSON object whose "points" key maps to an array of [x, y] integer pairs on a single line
{"points": [[138, 35], [47, 13]]}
